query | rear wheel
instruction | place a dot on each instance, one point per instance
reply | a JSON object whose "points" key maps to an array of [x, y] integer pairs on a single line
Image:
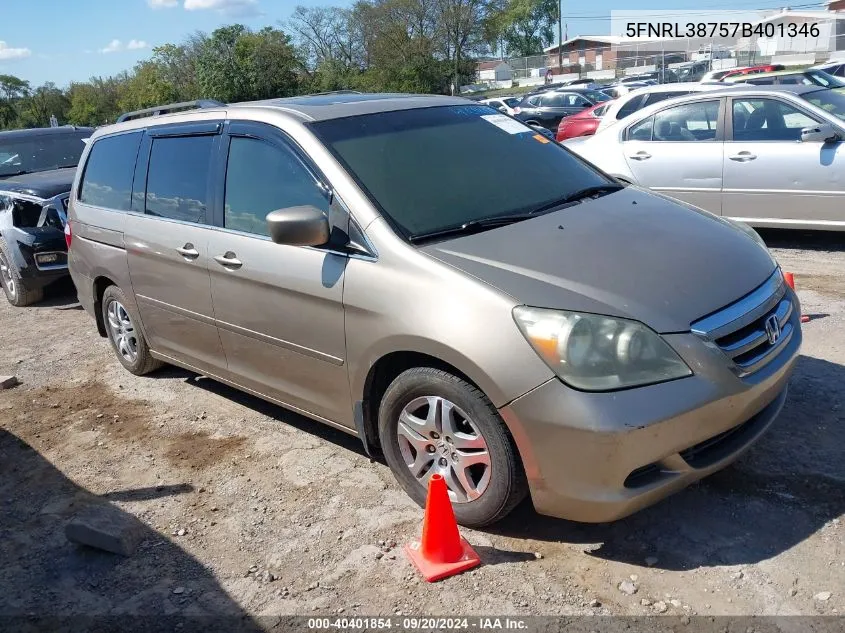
{"points": [[13, 286], [126, 339], [431, 422]]}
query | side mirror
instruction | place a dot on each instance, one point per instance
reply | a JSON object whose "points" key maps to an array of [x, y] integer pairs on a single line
{"points": [[821, 133], [299, 226]]}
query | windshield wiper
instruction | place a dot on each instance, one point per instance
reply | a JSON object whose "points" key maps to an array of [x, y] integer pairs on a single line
{"points": [[15, 173], [473, 226], [579, 195]]}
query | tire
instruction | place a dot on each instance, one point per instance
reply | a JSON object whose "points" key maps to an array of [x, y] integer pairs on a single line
{"points": [[13, 286], [133, 353], [473, 415]]}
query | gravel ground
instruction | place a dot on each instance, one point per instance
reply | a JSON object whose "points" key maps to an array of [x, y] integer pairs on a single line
{"points": [[247, 509]]}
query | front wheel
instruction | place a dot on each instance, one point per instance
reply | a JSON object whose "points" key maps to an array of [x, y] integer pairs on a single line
{"points": [[431, 422]]}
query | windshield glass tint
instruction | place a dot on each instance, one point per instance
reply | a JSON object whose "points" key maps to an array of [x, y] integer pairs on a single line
{"points": [[433, 168], [832, 101], [40, 153]]}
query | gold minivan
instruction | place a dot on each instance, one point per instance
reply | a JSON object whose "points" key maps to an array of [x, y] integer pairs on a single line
{"points": [[463, 294]]}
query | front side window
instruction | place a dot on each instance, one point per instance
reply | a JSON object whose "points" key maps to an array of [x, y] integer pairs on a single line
{"points": [[107, 180], [421, 166], [261, 178], [40, 152], [768, 120], [687, 122], [177, 180]]}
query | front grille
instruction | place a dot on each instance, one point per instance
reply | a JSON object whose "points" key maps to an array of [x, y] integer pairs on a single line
{"points": [[740, 330]]}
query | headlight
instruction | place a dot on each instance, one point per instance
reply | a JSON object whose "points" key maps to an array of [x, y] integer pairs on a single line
{"points": [[599, 353]]}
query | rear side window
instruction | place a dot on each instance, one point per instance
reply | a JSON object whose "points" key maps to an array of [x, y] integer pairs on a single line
{"points": [[177, 180], [107, 180], [261, 178]]}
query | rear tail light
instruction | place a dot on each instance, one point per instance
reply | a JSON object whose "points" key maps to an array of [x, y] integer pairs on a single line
{"points": [[68, 235]]}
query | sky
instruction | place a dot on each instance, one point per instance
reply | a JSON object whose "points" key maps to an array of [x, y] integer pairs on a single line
{"points": [[72, 40]]}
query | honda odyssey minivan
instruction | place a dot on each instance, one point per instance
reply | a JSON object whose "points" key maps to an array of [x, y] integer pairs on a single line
{"points": [[365, 260]]}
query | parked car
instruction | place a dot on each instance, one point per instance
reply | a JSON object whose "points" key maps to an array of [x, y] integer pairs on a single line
{"points": [[548, 108], [835, 68], [617, 90], [692, 71], [637, 99], [349, 257], [751, 70], [503, 104], [36, 172], [770, 156], [584, 123], [809, 77]]}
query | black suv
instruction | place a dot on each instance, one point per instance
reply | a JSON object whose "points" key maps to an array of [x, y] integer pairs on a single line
{"points": [[36, 173], [547, 108]]}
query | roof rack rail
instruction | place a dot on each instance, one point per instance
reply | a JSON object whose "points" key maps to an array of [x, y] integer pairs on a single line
{"points": [[166, 109], [334, 92]]}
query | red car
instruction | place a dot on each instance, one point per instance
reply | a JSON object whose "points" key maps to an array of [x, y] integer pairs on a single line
{"points": [[582, 124], [752, 70]]}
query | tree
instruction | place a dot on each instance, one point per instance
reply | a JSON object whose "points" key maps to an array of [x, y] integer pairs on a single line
{"points": [[12, 90], [525, 27], [44, 102], [462, 22]]}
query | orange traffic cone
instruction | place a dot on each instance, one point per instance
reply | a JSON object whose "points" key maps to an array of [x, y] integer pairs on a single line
{"points": [[443, 551], [790, 280]]}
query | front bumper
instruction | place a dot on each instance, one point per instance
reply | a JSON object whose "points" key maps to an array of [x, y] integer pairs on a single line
{"points": [[598, 457], [28, 244]]}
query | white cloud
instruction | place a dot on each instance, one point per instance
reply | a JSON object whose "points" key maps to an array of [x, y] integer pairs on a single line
{"points": [[12, 53], [113, 47], [162, 4], [227, 7]]}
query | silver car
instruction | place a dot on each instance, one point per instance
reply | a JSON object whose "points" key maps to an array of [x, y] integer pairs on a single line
{"points": [[769, 156]]}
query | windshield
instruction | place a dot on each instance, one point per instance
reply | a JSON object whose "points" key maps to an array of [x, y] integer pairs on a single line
{"points": [[43, 152], [512, 102], [432, 168], [595, 96], [831, 100]]}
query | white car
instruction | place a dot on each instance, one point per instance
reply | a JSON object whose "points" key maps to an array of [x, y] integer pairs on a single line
{"points": [[638, 99], [769, 156], [505, 105]]}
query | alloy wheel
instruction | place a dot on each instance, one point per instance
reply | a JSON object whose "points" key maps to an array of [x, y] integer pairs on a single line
{"points": [[437, 437], [122, 331]]}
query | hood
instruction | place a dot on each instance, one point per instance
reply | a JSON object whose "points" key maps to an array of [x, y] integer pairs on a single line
{"points": [[42, 184], [629, 254]]}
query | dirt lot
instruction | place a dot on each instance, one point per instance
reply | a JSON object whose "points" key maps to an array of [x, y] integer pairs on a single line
{"points": [[248, 509]]}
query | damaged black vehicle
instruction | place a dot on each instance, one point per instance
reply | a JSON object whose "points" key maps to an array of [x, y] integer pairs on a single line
{"points": [[37, 168]]}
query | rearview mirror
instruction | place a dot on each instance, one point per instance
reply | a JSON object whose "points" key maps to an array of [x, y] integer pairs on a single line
{"points": [[821, 133], [299, 226]]}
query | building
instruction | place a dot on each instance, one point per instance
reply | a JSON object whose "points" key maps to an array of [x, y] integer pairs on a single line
{"points": [[497, 70], [783, 49], [585, 52]]}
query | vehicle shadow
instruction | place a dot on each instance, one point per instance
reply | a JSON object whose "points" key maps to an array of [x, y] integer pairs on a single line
{"points": [[50, 583], [827, 241], [789, 485], [276, 412], [60, 295]]}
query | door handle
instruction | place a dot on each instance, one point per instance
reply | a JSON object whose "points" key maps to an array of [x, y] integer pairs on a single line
{"points": [[229, 260], [641, 155], [188, 251], [743, 157]]}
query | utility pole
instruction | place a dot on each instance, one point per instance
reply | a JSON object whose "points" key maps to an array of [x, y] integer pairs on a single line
{"points": [[560, 36]]}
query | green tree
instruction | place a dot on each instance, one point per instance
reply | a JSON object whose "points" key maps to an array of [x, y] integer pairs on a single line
{"points": [[524, 27], [12, 91], [43, 102]]}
